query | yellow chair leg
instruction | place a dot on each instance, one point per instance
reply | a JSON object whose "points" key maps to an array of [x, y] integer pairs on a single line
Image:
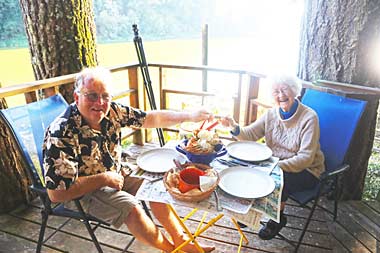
{"points": [[187, 231], [199, 230], [243, 237], [189, 214], [240, 243], [201, 222], [204, 228]]}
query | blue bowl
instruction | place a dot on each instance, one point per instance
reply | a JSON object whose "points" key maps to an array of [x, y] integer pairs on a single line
{"points": [[220, 150]]}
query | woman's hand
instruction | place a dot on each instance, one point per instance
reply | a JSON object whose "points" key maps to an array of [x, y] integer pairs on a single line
{"points": [[228, 121]]}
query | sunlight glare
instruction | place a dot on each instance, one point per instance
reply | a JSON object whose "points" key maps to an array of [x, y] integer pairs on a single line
{"points": [[269, 37], [376, 57]]}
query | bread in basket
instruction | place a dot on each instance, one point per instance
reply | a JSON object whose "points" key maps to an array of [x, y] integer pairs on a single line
{"points": [[171, 180]]}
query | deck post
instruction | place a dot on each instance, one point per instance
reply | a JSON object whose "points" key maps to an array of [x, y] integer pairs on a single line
{"points": [[204, 57], [138, 137], [252, 93]]}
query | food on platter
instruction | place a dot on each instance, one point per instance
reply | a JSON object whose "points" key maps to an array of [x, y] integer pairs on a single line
{"points": [[172, 182], [203, 141]]}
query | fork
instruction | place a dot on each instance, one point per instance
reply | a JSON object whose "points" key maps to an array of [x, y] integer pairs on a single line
{"points": [[218, 207]]}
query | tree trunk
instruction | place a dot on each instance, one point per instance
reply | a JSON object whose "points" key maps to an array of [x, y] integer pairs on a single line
{"points": [[14, 181], [61, 37], [339, 40], [3, 102]]}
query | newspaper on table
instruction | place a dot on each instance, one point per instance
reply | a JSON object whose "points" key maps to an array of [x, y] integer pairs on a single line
{"points": [[271, 204], [240, 209]]}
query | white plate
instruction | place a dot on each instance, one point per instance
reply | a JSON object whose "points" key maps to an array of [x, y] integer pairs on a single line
{"points": [[249, 151], [159, 160], [245, 182]]}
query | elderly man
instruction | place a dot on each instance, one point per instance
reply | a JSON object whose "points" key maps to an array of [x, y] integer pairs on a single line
{"points": [[82, 155]]}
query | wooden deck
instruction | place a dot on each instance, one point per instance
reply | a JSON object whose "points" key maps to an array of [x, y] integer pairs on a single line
{"points": [[357, 230]]}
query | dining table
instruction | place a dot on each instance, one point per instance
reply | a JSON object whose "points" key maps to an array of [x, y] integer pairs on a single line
{"points": [[246, 210]]}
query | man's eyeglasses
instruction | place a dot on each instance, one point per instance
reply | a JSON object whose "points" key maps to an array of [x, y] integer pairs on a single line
{"points": [[94, 97]]}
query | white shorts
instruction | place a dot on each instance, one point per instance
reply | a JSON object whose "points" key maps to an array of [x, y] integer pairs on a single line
{"points": [[111, 205]]}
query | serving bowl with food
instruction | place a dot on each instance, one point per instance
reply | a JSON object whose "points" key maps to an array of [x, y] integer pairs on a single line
{"points": [[194, 182], [203, 146]]}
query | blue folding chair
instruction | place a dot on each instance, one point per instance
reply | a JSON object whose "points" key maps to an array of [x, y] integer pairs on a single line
{"points": [[338, 118], [27, 124]]}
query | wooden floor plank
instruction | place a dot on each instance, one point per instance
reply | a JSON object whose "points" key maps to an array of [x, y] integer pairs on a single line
{"points": [[374, 204], [104, 234], [367, 211], [33, 213], [303, 212], [310, 238], [22, 228], [354, 231], [363, 221], [76, 244], [137, 247], [350, 233], [314, 226], [345, 239], [12, 243], [337, 245]]}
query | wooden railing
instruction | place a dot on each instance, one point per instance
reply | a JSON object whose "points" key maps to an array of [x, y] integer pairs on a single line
{"points": [[245, 103], [135, 88], [237, 97]]}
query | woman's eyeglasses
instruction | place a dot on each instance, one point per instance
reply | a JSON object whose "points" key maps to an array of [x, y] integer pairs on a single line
{"points": [[94, 97], [282, 90]]}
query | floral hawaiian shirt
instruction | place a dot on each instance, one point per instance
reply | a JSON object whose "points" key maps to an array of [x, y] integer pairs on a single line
{"points": [[72, 149]]}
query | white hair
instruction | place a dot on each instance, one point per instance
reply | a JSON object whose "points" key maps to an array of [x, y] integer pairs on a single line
{"points": [[99, 73], [292, 82]]}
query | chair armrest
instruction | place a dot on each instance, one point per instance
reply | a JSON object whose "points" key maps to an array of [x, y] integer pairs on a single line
{"points": [[337, 171]]}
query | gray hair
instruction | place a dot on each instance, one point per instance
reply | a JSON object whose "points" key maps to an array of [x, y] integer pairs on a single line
{"points": [[292, 82], [92, 73]]}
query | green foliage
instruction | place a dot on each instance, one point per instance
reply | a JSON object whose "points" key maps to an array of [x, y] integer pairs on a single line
{"points": [[372, 181], [159, 19], [12, 33]]}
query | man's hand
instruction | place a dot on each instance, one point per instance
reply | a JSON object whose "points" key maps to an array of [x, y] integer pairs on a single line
{"points": [[114, 180], [201, 114], [84, 185]]}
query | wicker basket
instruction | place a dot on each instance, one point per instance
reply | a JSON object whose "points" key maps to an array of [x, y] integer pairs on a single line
{"points": [[190, 196]]}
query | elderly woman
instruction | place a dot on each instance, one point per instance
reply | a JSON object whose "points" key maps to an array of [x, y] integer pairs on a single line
{"points": [[291, 130]]}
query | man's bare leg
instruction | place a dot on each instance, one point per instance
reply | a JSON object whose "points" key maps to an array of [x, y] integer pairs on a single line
{"points": [[143, 228], [167, 218]]}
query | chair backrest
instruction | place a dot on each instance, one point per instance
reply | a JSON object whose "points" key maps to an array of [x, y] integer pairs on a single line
{"points": [[338, 118], [28, 123]]}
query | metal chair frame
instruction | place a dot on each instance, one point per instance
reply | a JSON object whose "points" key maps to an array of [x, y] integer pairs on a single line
{"points": [[52, 106], [349, 111]]}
